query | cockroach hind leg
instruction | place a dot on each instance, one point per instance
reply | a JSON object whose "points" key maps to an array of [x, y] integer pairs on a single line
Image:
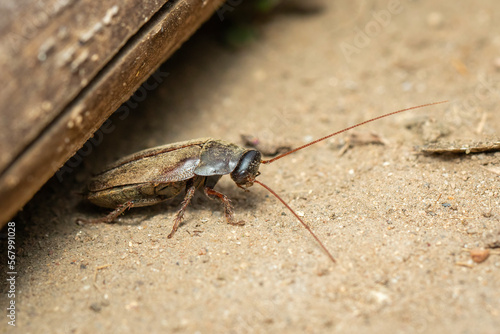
{"points": [[228, 208], [108, 218], [180, 214]]}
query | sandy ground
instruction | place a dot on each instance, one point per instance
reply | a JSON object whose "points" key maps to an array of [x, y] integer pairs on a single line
{"points": [[397, 222]]}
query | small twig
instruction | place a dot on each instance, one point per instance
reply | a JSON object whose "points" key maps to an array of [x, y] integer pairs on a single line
{"points": [[438, 199], [99, 268], [464, 264]]}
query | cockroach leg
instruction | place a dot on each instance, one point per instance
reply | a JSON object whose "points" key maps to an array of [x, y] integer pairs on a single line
{"points": [[110, 217], [228, 208], [190, 190]]}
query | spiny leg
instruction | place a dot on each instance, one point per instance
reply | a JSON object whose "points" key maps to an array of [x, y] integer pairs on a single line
{"points": [[178, 216], [228, 209], [111, 216]]}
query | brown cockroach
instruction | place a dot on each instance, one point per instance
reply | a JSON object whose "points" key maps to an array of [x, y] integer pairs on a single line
{"points": [[154, 175]]}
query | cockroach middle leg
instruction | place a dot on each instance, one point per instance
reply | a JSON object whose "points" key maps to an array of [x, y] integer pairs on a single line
{"points": [[111, 216], [228, 208], [190, 190]]}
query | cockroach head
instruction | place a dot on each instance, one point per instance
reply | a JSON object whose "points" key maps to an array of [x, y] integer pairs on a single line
{"points": [[247, 169]]}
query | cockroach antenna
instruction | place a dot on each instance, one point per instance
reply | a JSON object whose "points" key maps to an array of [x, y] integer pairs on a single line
{"points": [[317, 141], [297, 216], [347, 129]]}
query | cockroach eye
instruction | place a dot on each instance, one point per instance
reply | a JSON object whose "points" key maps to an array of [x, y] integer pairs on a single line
{"points": [[247, 169]]}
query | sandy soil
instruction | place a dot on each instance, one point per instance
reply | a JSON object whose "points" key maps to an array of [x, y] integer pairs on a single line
{"points": [[397, 222]]}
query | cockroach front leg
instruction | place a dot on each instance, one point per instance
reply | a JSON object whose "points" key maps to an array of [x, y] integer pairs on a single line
{"points": [[228, 208], [178, 216], [110, 217]]}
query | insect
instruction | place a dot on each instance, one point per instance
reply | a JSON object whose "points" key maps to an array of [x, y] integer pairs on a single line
{"points": [[154, 175]]}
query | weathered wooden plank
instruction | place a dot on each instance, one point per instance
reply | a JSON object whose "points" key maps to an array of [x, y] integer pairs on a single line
{"points": [[76, 65], [50, 52]]}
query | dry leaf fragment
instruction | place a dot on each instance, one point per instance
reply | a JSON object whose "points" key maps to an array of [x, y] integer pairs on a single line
{"points": [[356, 138], [460, 147], [266, 147]]}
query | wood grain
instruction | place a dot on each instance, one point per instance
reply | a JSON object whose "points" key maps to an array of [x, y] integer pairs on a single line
{"points": [[66, 66]]}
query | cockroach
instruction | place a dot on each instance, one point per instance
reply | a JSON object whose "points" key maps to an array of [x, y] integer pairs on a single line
{"points": [[154, 175]]}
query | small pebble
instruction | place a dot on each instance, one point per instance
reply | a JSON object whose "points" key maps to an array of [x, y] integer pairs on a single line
{"points": [[479, 255]]}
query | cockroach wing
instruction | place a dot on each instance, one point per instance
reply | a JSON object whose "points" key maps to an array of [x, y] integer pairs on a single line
{"points": [[219, 157], [163, 164]]}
